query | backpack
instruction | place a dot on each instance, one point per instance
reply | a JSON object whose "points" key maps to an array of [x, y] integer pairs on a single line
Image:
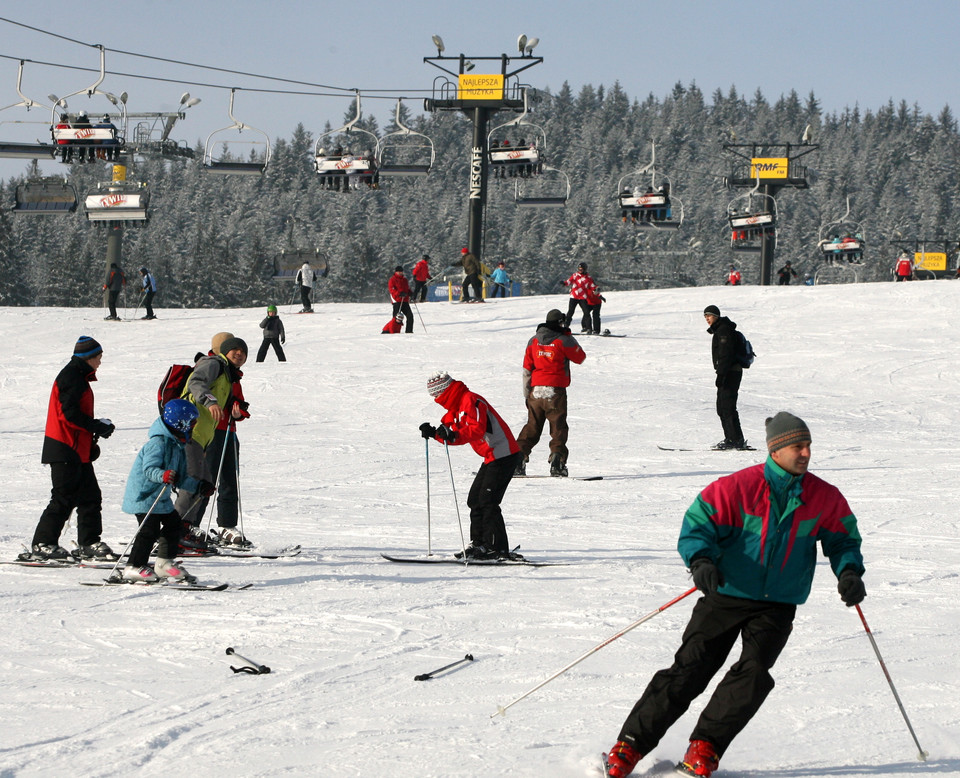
{"points": [[745, 352], [173, 384]]}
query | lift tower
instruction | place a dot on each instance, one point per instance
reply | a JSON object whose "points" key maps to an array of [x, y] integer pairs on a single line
{"points": [[479, 96], [769, 167]]}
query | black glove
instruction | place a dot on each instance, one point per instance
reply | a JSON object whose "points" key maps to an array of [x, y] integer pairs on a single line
{"points": [[105, 428], [706, 577], [206, 489], [446, 435], [94, 452], [427, 430], [851, 588]]}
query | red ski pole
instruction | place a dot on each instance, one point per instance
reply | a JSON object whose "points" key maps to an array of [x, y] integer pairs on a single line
{"points": [[922, 756]]}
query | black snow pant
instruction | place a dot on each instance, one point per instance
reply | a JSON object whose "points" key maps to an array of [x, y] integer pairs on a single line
{"points": [[112, 302], [404, 306], [74, 486], [160, 528], [420, 290], [591, 319], [265, 346], [148, 303], [486, 519], [305, 292], [728, 390], [228, 490], [572, 306], [472, 281], [716, 623]]}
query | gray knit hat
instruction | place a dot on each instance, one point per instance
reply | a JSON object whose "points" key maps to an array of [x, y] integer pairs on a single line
{"points": [[785, 429], [711, 310]]}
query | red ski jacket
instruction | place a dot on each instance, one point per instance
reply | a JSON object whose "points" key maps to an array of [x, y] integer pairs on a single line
{"points": [[475, 421], [399, 287], [68, 436], [579, 283], [546, 362], [421, 272]]}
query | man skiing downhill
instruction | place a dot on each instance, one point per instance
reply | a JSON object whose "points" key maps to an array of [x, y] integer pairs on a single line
{"points": [[471, 419], [750, 541]]}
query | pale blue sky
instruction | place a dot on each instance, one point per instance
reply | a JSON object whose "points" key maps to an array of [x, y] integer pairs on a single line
{"points": [[846, 52]]}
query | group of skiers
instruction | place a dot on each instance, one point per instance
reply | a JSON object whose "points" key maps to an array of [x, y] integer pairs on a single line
{"points": [[116, 281]]}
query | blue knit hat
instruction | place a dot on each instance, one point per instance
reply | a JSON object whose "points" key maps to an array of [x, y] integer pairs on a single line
{"points": [[87, 347]]}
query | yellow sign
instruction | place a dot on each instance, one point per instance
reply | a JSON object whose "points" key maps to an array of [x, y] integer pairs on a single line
{"points": [[769, 167], [476, 86], [930, 260]]}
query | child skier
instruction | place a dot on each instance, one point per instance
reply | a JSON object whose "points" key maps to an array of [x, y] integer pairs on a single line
{"points": [[160, 466], [273, 335]]}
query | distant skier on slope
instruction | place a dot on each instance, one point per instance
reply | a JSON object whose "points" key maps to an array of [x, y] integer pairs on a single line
{"points": [[753, 573], [471, 419]]}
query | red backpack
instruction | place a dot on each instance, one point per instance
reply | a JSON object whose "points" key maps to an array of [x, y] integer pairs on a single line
{"points": [[173, 384]]}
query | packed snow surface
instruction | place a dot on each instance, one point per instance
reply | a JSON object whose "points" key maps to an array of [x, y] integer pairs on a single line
{"points": [[135, 680]]}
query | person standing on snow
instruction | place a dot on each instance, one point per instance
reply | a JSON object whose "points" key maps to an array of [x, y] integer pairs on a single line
{"points": [[471, 419], [115, 281], [546, 376], [501, 281], [729, 375], [579, 283], [421, 274], [160, 465], [149, 284], [399, 289], [749, 540], [785, 274], [471, 269], [305, 276], [70, 448], [273, 335]]}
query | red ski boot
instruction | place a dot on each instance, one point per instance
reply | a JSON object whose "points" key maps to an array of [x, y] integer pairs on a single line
{"points": [[700, 760], [622, 759]]}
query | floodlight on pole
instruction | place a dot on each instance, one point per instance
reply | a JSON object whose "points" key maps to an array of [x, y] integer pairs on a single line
{"points": [[192, 102], [184, 97], [438, 42], [111, 97], [468, 65], [123, 97], [521, 43], [531, 45]]}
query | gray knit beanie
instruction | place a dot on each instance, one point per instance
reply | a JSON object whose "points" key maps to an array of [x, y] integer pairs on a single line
{"points": [[785, 429]]}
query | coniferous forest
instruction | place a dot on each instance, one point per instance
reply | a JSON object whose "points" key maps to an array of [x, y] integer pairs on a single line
{"points": [[211, 240]]}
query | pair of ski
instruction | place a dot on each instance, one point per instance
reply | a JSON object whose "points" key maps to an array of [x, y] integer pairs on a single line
{"points": [[569, 478], [452, 560], [244, 552], [712, 448]]}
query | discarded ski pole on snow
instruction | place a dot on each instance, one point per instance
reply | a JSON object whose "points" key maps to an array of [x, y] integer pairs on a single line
{"points": [[428, 676], [502, 709], [252, 667], [922, 756]]}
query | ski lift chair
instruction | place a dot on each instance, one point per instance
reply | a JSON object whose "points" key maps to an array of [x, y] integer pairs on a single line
{"points": [[404, 152], [341, 167], [551, 189], [116, 202], [45, 197], [224, 164]]}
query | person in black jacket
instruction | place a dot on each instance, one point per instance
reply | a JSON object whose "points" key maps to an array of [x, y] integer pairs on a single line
{"points": [[70, 448], [729, 375], [785, 274], [273, 335], [112, 285]]}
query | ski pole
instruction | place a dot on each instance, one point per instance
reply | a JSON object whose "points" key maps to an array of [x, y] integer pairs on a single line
{"points": [[216, 485], [922, 755], [428, 676], [135, 534], [236, 460], [254, 668], [137, 309], [420, 316], [463, 545], [427, 453], [502, 709]]}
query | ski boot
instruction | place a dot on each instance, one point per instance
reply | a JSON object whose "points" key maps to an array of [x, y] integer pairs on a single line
{"points": [[700, 760], [172, 572], [621, 760], [558, 468], [134, 574], [49, 552], [96, 552], [231, 536]]}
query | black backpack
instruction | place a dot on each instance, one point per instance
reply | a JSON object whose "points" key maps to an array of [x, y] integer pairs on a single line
{"points": [[745, 353]]}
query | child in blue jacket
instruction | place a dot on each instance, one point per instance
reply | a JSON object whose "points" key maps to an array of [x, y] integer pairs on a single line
{"points": [[160, 465]]}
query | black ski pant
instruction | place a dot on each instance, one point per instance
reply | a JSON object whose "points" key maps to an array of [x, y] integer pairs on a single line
{"points": [[74, 486], [160, 528], [486, 519], [472, 280], [112, 296], [420, 290], [591, 319], [228, 490], [265, 346], [148, 303], [572, 306], [728, 389], [305, 292], [541, 410], [716, 623], [404, 306]]}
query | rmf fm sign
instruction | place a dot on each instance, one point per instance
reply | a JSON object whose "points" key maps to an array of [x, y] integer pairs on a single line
{"points": [[769, 167]]}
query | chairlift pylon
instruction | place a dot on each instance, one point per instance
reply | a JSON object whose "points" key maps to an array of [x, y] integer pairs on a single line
{"points": [[752, 217], [341, 166], [18, 150], [653, 205], [80, 140], [410, 158], [225, 166]]}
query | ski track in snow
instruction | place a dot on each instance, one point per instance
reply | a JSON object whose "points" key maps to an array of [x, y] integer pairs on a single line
{"points": [[96, 682]]}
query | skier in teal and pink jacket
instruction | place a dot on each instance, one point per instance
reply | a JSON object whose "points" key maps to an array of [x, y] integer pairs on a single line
{"points": [[750, 541]]}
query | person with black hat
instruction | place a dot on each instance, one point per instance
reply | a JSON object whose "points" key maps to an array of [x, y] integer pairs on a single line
{"points": [[149, 291], [785, 274], [70, 447], [421, 274], [399, 289], [471, 278], [729, 376], [546, 376], [469, 418], [750, 542], [114, 282]]}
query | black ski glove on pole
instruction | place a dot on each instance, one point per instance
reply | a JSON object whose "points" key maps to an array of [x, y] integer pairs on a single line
{"points": [[851, 588], [706, 577], [428, 430]]}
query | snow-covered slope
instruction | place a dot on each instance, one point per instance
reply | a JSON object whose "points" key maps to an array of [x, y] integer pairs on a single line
{"points": [[128, 680]]}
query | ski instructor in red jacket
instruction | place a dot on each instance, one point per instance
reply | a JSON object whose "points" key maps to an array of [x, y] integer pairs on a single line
{"points": [[546, 376], [471, 419]]}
